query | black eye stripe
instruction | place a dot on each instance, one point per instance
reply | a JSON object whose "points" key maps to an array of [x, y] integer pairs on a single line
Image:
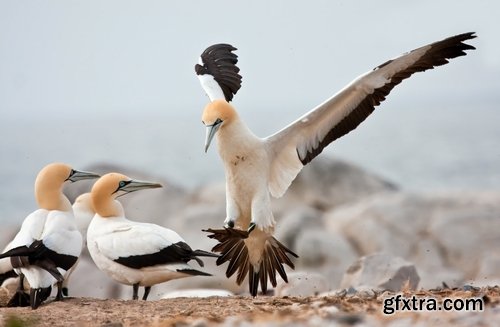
{"points": [[121, 185]]}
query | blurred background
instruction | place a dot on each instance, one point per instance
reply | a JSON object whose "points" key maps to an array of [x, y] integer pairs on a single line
{"points": [[88, 82]]}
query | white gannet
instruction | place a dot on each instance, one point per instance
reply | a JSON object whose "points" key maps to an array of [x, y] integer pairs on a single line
{"points": [[83, 211], [257, 168], [48, 243], [133, 253]]}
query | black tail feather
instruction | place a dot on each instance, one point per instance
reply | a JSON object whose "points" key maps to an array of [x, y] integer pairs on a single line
{"points": [[20, 251], [233, 248], [193, 272], [202, 253], [253, 281]]}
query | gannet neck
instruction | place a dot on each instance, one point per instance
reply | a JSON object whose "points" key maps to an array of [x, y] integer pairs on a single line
{"points": [[84, 203], [108, 207], [237, 134], [48, 187]]}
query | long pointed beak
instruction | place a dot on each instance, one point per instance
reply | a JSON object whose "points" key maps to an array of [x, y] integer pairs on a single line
{"points": [[210, 133], [77, 175], [133, 186]]}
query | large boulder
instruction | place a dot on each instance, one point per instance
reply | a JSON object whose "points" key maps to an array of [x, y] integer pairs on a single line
{"points": [[326, 183], [301, 283], [447, 235], [382, 272]]}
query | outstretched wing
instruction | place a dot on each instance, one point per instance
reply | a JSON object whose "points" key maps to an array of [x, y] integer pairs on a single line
{"points": [[297, 144], [218, 73]]}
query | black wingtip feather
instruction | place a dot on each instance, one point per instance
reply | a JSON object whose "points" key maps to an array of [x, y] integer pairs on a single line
{"points": [[438, 54], [220, 62]]}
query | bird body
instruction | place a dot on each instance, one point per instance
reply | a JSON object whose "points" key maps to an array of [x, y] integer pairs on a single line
{"points": [[134, 253], [48, 243], [246, 167], [114, 240], [83, 212], [258, 168]]}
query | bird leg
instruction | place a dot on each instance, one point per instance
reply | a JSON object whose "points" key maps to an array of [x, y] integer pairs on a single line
{"points": [[135, 295], [20, 298], [60, 291], [147, 289], [251, 227]]}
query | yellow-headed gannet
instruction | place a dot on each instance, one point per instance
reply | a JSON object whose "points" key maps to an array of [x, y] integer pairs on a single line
{"points": [[256, 168], [48, 243], [133, 253]]}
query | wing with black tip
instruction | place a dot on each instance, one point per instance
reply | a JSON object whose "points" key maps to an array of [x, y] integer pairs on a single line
{"points": [[218, 73]]}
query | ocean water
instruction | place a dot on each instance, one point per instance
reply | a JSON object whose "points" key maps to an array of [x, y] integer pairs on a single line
{"points": [[420, 149]]}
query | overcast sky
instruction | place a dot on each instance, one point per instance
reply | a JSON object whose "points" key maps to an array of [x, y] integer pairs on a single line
{"points": [[91, 58], [100, 63]]}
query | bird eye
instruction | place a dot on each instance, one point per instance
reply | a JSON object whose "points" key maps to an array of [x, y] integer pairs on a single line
{"points": [[122, 184]]}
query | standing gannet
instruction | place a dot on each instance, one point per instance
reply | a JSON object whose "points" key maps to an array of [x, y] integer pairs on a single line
{"points": [[48, 242], [257, 168], [83, 211], [133, 253]]}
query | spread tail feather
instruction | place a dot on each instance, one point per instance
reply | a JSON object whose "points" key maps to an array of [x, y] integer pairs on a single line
{"points": [[233, 249]]}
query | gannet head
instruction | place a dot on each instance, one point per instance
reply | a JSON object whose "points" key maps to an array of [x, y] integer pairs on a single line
{"points": [[217, 114], [49, 183], [109, 187]]}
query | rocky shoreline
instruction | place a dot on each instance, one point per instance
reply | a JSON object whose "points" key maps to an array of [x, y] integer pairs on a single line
{"points": [[344, 223]]}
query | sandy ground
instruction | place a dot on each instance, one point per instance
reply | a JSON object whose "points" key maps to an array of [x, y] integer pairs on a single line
{"points": [[340, 309]]}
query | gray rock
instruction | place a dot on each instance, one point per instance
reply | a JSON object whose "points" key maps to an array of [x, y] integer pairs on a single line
{"points": [[326, 252], [302, 284], [326, 183], [446, 235], [381, 271], [296, 222], [467, 230]]}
